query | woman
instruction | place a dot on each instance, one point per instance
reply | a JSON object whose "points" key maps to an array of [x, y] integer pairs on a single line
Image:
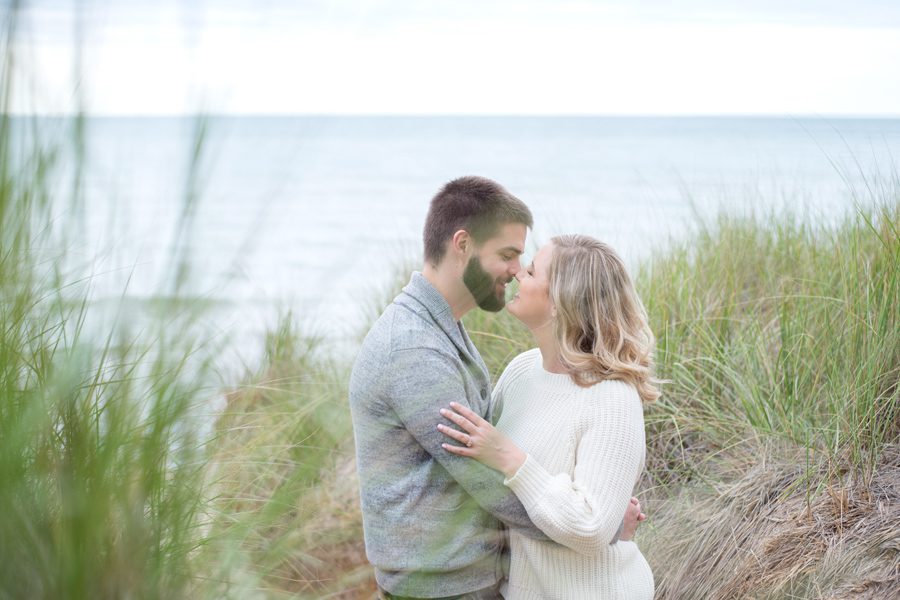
{"points": [[570, 438]]}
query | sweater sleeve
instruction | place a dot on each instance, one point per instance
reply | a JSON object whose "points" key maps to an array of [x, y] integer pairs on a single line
{"points": [[422, 382], [583, 510]]}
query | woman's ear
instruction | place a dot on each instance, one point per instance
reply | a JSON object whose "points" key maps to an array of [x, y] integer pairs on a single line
{"points": [[553, 310]]}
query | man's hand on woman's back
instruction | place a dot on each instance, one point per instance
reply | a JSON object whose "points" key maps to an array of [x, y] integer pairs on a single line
{"points": [[633, 517]]}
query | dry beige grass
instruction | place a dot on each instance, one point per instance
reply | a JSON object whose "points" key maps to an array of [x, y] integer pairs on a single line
{"points": [[767, 535], [286, 488], [761, 536], [339, 569], [764, 535], [756, 521], [761, 483]]}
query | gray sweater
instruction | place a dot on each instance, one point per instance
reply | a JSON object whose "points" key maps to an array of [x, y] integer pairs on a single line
{"points": [[433, 521]]}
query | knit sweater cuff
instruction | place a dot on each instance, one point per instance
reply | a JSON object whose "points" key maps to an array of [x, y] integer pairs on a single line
{"points": [[529, 482]]}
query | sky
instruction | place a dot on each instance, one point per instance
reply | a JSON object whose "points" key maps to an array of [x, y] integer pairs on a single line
{"points": [[555, 57]]}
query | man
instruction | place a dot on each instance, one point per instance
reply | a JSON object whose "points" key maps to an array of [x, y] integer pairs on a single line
{"points": [[433, 521]]}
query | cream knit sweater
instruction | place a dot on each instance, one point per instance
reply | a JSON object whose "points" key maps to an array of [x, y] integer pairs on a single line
{"points": [[585, 450]]}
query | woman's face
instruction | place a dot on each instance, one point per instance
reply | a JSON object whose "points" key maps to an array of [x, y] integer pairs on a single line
{"points": [[532, 304]]}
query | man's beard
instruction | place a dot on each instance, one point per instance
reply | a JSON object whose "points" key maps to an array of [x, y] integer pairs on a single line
{"points": [[483, 287]]}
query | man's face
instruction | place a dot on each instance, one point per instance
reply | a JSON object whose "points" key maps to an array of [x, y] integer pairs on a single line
{"points": [[493, 265]]}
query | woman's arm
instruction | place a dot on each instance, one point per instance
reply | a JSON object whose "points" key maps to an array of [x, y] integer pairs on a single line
{"points": [[481, 440], [584, 511]]}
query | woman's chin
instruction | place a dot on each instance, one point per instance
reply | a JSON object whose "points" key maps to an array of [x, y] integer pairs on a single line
{"points": [[513, 309]]}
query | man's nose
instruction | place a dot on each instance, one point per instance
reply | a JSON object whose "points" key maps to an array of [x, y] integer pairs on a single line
{"points": [[515, 267]]}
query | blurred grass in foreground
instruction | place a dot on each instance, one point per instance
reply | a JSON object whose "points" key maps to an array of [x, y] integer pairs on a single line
{"points": [[100, 465], [773, 455]]}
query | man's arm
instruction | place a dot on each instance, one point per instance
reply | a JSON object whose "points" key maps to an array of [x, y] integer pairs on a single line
{"points": [[422, 381]]}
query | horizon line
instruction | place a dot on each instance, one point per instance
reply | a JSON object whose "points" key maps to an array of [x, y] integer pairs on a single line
{"points": [[735, 115]]}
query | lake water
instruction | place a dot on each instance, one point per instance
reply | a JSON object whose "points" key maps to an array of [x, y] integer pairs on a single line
{"points": [[314, 214]]}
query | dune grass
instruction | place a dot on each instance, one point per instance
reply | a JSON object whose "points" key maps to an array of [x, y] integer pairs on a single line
{"points": [[767, 327], [282, 483], [773, 451], [773, 455], [107, 488], [100, 468], [782, 328]]}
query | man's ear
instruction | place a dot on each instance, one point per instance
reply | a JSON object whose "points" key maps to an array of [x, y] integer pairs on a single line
{"points": [[461, 242]]}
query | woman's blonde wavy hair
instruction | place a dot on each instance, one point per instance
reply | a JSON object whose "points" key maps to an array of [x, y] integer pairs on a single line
{"points": [[601, 325]]}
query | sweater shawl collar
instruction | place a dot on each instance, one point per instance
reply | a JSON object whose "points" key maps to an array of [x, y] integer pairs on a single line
{"points": [[420, 294]]}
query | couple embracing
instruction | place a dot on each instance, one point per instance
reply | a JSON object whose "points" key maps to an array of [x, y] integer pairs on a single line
{"points": [[523, 491]]}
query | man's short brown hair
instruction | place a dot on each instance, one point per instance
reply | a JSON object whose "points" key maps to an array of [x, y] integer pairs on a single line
{"points": [[478, 205]]}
